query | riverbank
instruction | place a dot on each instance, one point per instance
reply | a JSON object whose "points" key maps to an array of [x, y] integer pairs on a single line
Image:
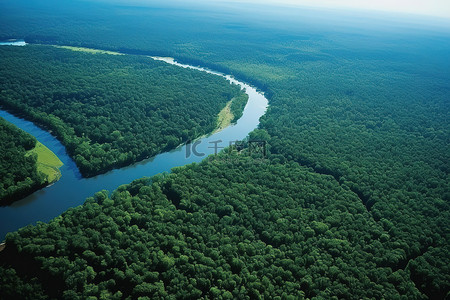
{"points": [[88, 50], [225, 116], [47, 162], [72, 189], [175, 105], [26, 165]]}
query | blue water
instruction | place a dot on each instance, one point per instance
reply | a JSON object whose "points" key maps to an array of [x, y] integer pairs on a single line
{"points": [[13, 43], [71, 190]]}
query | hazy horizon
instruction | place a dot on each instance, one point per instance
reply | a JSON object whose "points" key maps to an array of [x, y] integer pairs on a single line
{"points": [[438, 8], [434, 12]]}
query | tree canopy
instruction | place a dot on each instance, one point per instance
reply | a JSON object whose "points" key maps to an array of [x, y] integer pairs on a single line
{"points": [[229, 227], [111, 110], [18, 171], [359, 109]]}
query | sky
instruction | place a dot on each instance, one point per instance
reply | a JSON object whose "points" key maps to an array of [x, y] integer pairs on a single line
{"points": [[438, 8]]}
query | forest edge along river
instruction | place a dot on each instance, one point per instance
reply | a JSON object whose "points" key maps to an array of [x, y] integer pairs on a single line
{"points": [[72, 189]]}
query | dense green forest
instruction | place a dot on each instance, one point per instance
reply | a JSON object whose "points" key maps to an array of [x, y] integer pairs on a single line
{"points": [[111, 110], [237, 107], [353, 202], [219, 229], [18, 172]]}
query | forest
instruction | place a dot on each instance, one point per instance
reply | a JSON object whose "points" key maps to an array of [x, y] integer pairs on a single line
{"points": [[111, 110], [352, 203], [18, 171], [216, 230]]}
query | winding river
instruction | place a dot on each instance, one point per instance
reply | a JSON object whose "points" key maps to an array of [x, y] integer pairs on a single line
{"points": [[71, 190]]}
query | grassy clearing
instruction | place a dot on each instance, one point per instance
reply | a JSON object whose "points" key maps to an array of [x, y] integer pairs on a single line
{"points": [[225, 117], [47, 162], [89, 50]]}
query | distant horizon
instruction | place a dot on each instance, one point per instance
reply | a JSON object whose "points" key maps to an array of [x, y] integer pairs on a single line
{"points": [[421, 8], [434, 8], [342, 14]]}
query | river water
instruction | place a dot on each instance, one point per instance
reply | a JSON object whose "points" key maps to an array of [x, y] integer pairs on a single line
{"points": [[13, 42], [71, 190]]}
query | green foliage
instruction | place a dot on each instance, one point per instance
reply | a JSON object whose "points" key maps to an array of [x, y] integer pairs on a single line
{"points": [[432, 271], [18, 171], [12, 284], [110, 111], [237, 106], [238, 230], [369, 107]]}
